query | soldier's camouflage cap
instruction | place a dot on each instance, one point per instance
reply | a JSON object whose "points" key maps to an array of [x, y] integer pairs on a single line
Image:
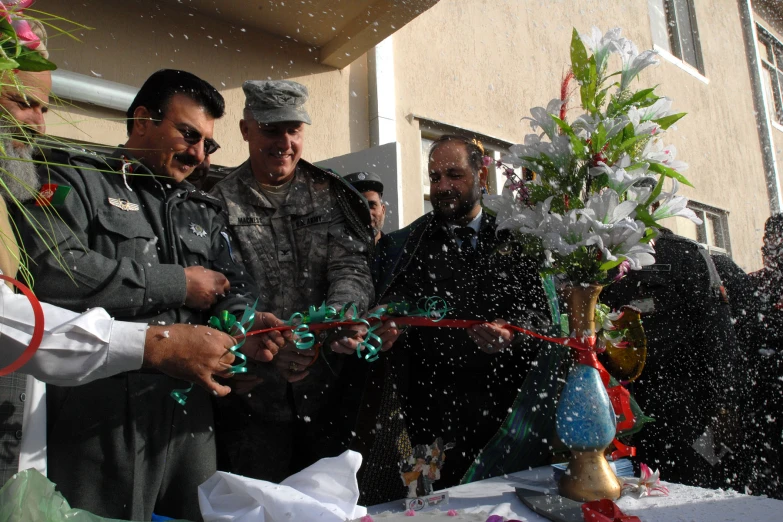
{"points": [[273, 101]]}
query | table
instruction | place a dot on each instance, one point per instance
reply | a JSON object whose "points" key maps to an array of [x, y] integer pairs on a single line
{"points": [[684, 503]]}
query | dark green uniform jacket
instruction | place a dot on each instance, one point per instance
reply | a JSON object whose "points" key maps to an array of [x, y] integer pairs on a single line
{"points": [[121, 447]]}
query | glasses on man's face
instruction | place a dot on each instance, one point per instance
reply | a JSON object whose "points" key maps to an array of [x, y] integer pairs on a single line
{"points": [[193, 137]]}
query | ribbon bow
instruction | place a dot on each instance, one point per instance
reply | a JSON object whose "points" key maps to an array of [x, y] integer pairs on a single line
{"points": [[226, 322]]}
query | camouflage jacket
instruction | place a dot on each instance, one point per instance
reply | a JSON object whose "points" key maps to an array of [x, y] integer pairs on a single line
{"points": [[314, 248]]}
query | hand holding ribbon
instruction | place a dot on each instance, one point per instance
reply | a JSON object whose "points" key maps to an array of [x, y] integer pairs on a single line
{"points": [[227, 323]]}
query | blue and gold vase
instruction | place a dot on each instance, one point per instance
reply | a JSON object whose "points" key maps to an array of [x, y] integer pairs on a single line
{"points": [[586, 422]]}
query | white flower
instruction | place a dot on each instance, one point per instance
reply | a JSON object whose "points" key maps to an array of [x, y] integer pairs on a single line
{"points": [[633, 62], [607, 209], [564, 234], [542, 118], [655, 152], [529, 220], [602, 46], [558, 151], [586, 125], [503, 206], [620, 178], [642, 118], [622, 241], [671, 205]]}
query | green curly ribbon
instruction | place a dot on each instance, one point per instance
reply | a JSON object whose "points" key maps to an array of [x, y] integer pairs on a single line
{"points": [[181, 395], [434, 308], [227, 323], [303, 338]]}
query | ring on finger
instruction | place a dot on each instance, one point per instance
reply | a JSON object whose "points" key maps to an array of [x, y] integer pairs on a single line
{"points": [[293, 367]]}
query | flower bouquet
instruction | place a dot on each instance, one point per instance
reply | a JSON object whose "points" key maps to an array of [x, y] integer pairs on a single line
{"points": [[585, 194]]}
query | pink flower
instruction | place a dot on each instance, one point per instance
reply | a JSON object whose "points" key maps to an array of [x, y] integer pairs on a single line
{"points": [[26, 35], [452, 513], [645, 485], [13, 8], [410, 513], [366, 518]]}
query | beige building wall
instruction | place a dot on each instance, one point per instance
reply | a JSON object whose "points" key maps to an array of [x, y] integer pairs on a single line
{"points": [[128, 43], [489, 61]]}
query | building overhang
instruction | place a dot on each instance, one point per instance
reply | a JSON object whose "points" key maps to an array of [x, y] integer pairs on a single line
{"points": [[341, 30]]}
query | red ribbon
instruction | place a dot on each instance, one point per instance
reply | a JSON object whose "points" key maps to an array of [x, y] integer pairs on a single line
{"points": [[585, 354], [605, 511], [38, 327]]}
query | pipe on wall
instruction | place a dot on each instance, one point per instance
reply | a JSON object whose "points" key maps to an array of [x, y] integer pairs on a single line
{"points": [[95, 91]]}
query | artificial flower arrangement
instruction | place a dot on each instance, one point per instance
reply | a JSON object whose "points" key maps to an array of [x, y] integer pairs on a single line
{"points": [[18, 42], [595, 177]]}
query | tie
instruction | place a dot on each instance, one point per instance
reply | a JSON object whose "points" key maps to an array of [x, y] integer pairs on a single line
{"points": [[466, 235]]}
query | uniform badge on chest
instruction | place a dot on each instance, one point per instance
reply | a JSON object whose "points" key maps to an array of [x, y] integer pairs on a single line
{"points": [[123, 204], [198, 230]]}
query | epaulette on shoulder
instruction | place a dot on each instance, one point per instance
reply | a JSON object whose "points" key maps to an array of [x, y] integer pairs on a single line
{"points": [[76, 158], [205, 197]]}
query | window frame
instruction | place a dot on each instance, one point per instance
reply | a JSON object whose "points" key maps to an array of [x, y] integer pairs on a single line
{"points": [[705, 232], [674, 29], [774, 68]]}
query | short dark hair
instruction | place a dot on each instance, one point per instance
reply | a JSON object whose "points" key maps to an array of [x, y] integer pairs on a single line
{"points": [[472, 147], [159, 88], [774, 225]]}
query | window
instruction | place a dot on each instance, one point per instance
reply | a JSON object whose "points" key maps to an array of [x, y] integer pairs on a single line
{"points": [[713, 233], [674, 29], [771, 51], [432, 130]]}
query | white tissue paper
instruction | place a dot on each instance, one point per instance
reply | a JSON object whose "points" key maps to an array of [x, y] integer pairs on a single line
{"points": [[326, 491]]}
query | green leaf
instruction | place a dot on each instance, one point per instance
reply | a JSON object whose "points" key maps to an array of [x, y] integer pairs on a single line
{"points": [[669, 172], [655, 193], [579, 59], [643, 215], [30, 60], [576, 143], [598, 139], [588, 95], [608, 265], [668, 121], [6, 64]]}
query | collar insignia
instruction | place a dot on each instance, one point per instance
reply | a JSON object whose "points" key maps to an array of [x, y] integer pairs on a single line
{"points": [[123, 204], [198, 230]]}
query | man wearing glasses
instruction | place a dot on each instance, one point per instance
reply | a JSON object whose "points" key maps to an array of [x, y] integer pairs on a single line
{"points": [[134, 237]]}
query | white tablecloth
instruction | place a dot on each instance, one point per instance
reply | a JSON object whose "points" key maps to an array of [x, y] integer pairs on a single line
{"points": [[684, 503]]}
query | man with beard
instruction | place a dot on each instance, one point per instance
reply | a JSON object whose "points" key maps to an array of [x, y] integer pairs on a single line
{"points": [[135, 238], [304, 235], [459, 384], [371, 187]]}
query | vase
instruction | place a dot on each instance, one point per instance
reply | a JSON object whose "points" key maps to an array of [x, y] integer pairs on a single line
{"points": [[586, 422]]}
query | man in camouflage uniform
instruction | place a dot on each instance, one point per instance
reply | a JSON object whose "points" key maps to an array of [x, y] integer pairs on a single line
{"points": [[140, 241], [305, 236]]}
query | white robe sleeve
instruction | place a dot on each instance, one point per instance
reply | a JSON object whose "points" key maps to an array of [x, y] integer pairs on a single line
{"points": [[76, 348]]}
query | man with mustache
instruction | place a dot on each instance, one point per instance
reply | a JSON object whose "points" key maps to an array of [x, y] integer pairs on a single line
{"points": [[305, 236], [134, 237], [453, 383]]}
